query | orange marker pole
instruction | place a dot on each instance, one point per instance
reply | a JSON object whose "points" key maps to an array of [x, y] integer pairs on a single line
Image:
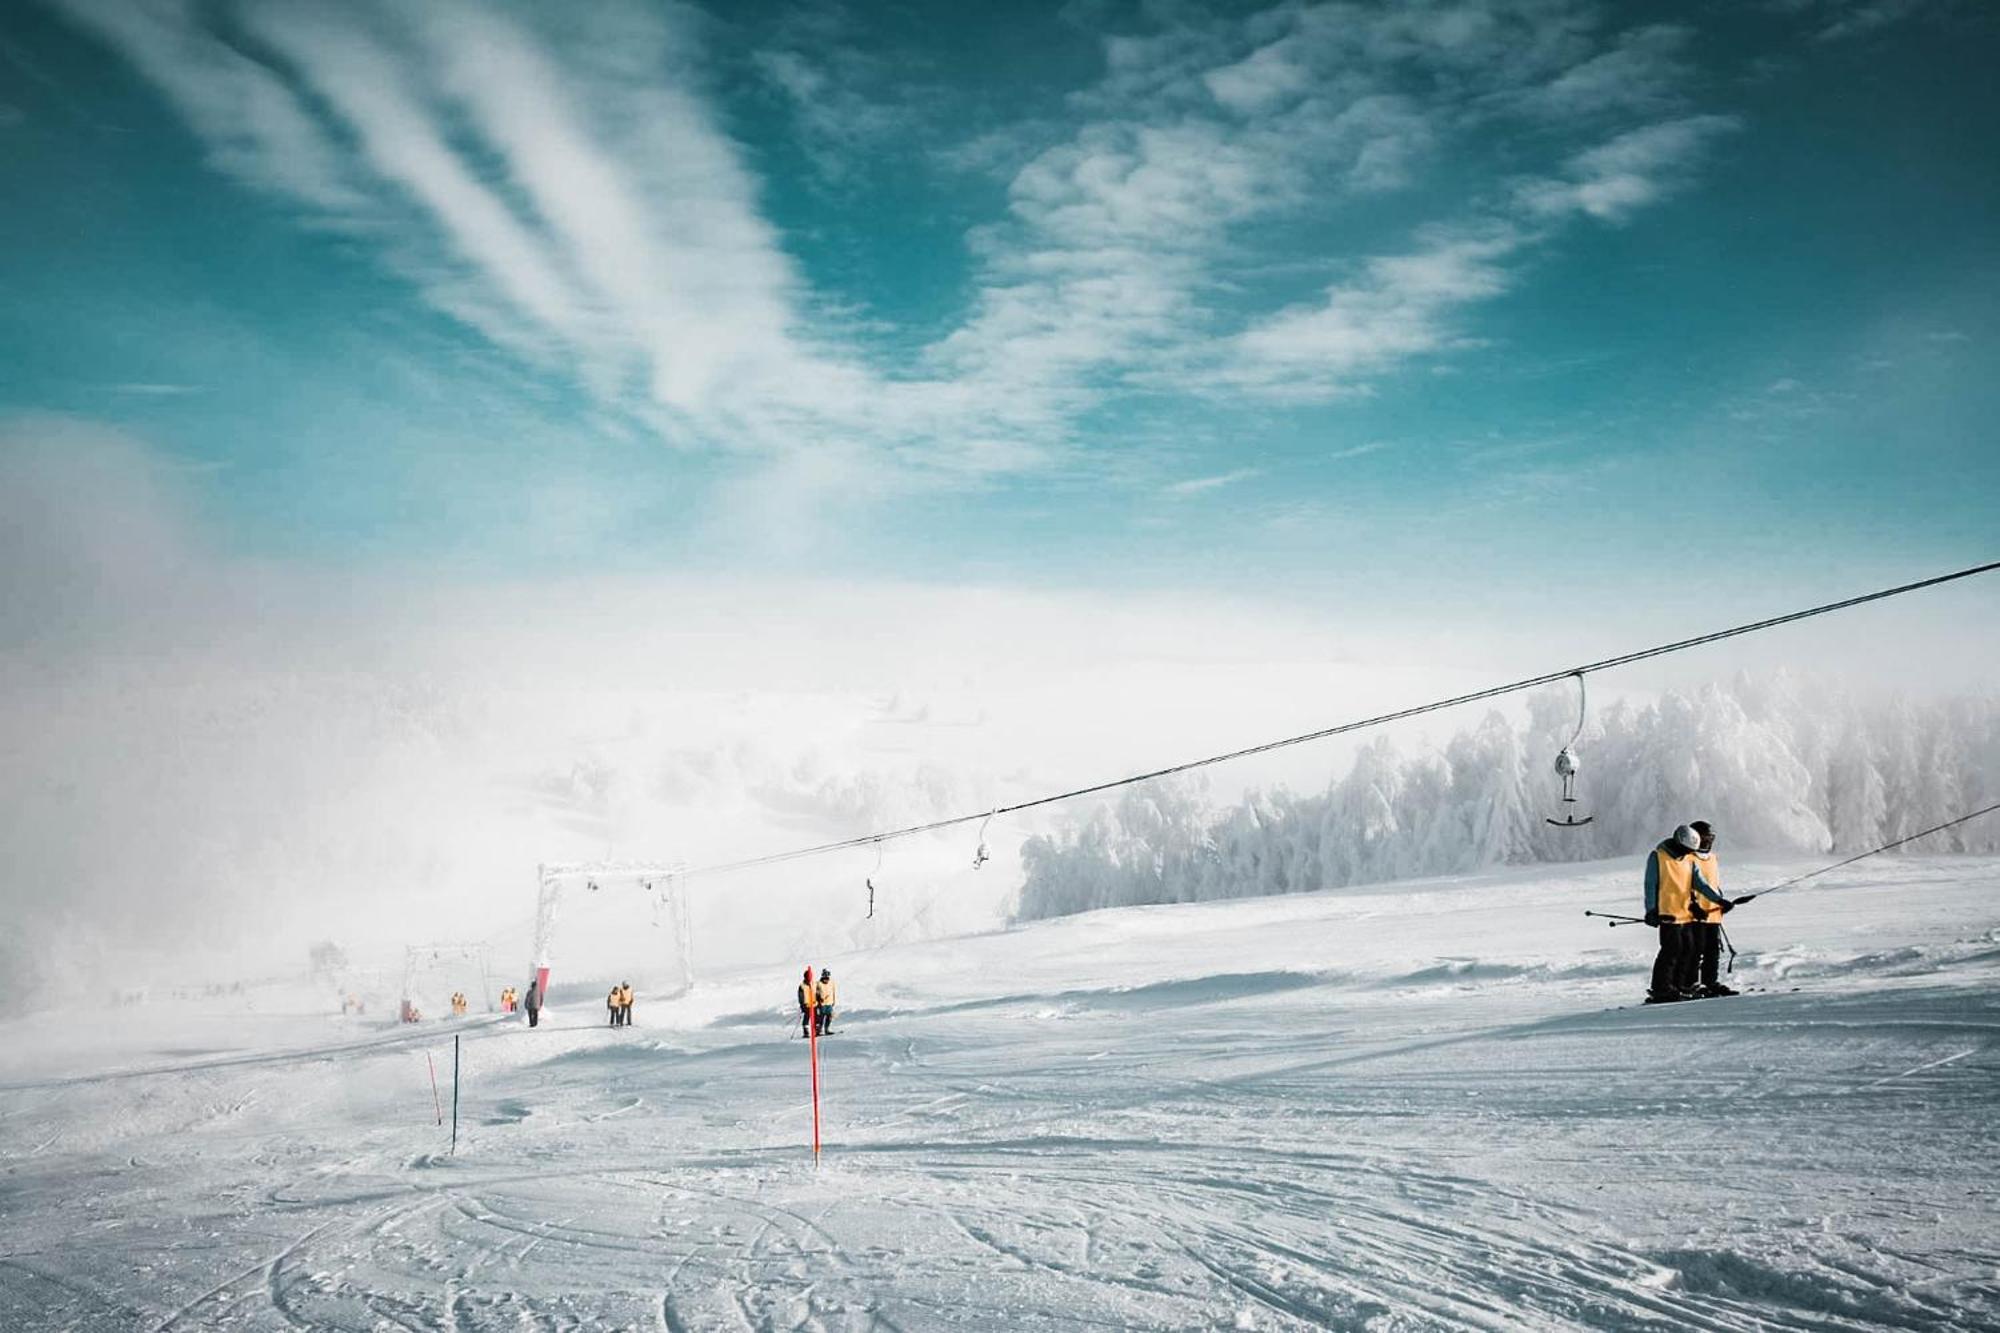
{"points": [[439, 1105], [813, 1045]]}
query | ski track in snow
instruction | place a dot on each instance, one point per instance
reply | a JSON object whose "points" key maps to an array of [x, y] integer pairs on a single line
{"points": [[1405, 1108]]}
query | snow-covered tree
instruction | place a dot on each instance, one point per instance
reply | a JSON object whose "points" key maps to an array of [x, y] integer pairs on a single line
{"points": [[1779, 765]]}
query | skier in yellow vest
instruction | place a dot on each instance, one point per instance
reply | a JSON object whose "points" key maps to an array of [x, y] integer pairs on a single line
{"points": [[1674, 884], [808, 1002], [611, 1005], [1708, 929], [625, 1004], [823, 995]]}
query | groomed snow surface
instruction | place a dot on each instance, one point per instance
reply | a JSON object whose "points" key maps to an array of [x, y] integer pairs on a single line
{"points": [[1411, 1106]]}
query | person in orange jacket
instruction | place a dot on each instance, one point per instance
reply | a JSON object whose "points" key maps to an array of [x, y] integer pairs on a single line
{"points": [[1674, 885], [823, 998], [625, 1004], [808, 1002], [1707, 954]]}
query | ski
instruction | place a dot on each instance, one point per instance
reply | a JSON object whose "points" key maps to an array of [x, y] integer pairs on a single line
{"points": [[1748, 990]]}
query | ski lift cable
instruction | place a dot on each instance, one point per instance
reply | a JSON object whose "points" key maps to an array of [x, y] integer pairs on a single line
{"points": [[1618, 919], [1344, 728], [1874, 851]]}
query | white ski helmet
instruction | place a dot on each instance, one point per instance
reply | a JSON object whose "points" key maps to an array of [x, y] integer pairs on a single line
{"points": [[1688, 838]]}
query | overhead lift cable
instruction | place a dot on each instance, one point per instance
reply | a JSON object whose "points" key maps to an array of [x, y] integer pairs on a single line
{"points": [[1873, 851], [1621, 919], [1475, 696]]}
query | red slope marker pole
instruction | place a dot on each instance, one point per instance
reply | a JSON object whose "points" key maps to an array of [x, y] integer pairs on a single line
{"points": [[812, 1023], [435, 1100]]}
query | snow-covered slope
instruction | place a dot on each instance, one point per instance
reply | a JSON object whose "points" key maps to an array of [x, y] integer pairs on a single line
{"points": [[1406, 1107]]}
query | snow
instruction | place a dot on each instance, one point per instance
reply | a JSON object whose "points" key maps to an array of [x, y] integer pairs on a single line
{"points": [[1399, 1107]]}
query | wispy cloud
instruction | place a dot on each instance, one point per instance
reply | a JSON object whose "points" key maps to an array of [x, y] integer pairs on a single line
{"points": [[1616, 179], [1123, 236], [1198, 485], [1843, 20], [852, 109], [140, 389], [565, 186], [254, 124], [1396, 308], [1356, 451]]}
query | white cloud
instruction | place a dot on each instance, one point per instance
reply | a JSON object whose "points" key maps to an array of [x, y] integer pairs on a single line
{"points": [[565, 186], [1848, 19], [1615, 179], [1397, 308], [1198, 485], [146, 389], [254, 125], [1643, 71], [1357, 451], [1260, 80]]}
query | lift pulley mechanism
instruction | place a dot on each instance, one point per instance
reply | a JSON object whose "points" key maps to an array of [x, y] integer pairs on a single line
{"points": [[982, 856], [870, 882], [1566, 765]]}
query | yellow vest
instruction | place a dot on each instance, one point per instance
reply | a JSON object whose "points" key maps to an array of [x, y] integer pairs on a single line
{"points": [[1676, 875], [826, 992], [807, 998], [1711, 872]]}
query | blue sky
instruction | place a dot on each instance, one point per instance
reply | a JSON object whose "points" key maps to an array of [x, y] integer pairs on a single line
{"points": [[1460, 302]]}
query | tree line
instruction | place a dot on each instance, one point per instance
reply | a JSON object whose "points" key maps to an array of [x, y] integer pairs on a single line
{"points": [[1782, 764]]}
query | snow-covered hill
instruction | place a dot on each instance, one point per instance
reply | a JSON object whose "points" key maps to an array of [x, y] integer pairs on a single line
{"points": [[1411, 1106]]}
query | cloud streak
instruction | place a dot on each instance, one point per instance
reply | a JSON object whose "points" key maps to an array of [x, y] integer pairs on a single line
{"points": [[567, 189]]}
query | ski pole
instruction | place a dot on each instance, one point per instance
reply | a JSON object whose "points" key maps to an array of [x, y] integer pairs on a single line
{"points": [[1616, 920]]}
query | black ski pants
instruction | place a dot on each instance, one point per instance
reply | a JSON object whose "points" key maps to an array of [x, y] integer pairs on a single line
{"points": [[1677, 946], [1710, 935]]}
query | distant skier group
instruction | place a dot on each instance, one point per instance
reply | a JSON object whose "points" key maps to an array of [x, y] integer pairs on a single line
{"points": [[816, 1003], [1684, 899], [619, 1002]]}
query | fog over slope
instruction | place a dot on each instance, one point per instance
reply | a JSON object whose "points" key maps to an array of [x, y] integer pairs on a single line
{"points": [[214, 759]]}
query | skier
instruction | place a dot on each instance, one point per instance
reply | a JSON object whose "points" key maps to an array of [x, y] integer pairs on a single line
{"points": [[1708, 929], [1673, 881], [625, 1004], [808, 1001], [534, 1003], [823, 996], [613, 1004]]}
